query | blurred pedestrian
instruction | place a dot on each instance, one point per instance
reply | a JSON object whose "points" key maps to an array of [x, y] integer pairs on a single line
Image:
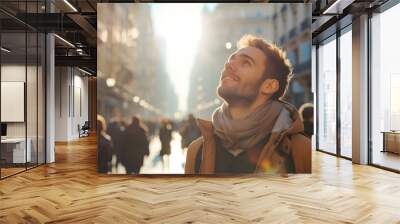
{"points": [[116, 129], [152, 126], [190, 131], [165, 135], [136, 146], [104, 146]]}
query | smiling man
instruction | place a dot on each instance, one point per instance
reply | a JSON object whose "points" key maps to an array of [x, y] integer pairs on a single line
{"points": [[253, 131]]}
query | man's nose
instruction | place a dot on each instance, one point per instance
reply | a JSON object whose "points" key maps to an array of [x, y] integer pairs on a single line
{"points": [[229, 65]]}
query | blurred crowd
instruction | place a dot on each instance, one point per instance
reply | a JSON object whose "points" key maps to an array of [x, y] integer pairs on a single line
{"points": [[128, 144]]}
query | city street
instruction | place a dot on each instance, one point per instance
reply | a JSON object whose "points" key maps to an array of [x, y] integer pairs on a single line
{"points": [[174, 164]]}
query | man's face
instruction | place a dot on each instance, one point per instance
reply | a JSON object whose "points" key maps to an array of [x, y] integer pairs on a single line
{"points": [[242, 75]]}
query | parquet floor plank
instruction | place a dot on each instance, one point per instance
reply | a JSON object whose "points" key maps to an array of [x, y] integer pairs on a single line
{"points": [[71, 191]]}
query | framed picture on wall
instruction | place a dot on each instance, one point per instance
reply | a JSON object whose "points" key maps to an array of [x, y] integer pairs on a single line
{"points": [[203, 88]]}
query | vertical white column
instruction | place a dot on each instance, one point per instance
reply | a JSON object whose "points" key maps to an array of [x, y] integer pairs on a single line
{"points": [[50, 93], [314, 90], [360, 90]]}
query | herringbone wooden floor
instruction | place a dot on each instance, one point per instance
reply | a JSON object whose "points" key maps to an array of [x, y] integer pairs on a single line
{"points": [[70, 191]]}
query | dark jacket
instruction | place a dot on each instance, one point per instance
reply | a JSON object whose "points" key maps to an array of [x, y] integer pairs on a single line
{"points": [[287, 151], [165, 138], [136, 146], [115, 130], [104, 152]]}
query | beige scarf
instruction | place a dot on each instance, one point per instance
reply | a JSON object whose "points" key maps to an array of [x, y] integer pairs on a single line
{"points": [[246, 133]]}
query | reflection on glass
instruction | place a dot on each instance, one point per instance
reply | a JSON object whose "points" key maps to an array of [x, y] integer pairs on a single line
{"points": [[327, 97], [41, 99], [385, 89], [345, 95], [31, 98], [13, 84]]}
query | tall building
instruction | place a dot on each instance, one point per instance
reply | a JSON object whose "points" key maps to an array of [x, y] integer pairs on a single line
{"points": [[132, 55]]}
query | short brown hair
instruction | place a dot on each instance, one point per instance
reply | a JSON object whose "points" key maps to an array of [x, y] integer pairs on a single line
{"points": [[277, 64]]}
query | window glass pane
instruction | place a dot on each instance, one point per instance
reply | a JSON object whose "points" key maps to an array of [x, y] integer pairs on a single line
{"points": [[345, 94], [327, 97], [385, 89]]}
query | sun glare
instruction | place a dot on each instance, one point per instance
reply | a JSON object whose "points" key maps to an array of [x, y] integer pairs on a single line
{"points": [[180, 26]]}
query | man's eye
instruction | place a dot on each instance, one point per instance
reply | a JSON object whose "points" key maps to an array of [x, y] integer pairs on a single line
{"points": [[246, 63]]}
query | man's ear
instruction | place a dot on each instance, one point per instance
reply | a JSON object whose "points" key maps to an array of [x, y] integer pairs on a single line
{"points": [[269, 86]]}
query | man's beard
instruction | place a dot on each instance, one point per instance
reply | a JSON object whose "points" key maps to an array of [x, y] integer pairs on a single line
{"points": [[233, 95]]}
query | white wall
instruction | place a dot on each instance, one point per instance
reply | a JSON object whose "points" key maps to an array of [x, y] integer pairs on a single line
{"points": [[71, 94], [33, 126], [16, 73], [61, 103]]}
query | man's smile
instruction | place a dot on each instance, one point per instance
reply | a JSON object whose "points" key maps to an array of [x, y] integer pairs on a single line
{"points": [[230, 77]]}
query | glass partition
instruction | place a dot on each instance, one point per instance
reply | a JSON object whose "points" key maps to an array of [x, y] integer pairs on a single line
{"points": [[31, 99], [14, 152], [22, 88]]}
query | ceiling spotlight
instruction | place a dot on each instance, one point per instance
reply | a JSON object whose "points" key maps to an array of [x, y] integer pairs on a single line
{"points": [[65, 41], [337, 7], [70, 5], [5, 50], [84, 71]]}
